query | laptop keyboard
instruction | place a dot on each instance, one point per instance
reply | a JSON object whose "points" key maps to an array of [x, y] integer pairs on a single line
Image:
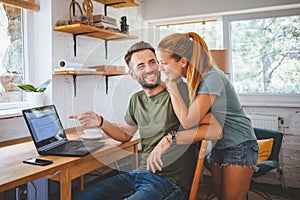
{"points": [[75, 148], [71, 146]]}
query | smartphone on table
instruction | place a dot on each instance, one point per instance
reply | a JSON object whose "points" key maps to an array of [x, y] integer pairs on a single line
{"points": [[38, 161]]}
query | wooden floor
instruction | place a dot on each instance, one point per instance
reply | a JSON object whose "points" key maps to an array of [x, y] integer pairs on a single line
{"points": [[275, 192]]}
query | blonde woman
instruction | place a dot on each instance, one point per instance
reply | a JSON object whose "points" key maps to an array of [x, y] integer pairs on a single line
{"points": [[234, 157]]}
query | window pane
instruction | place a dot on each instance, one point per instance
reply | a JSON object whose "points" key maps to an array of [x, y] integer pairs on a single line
{"points": [[266, 55], [11, 54], [210, 31]]}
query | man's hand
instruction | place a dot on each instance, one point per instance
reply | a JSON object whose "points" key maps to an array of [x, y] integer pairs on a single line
{"points": [[154, 160], [87, 119]]}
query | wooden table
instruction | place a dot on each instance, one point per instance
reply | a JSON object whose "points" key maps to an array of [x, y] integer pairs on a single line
{"points": [[64, 168]]}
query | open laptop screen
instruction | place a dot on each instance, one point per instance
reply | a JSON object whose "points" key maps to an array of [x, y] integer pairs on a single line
{"points": [[44, 125]]}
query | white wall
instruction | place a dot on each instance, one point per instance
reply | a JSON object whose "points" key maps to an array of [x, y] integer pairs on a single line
{"points": [[91, 94], [91, 89], [160, 9], [90, 51]]}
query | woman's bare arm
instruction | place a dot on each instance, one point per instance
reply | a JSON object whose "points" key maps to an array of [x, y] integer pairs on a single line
{"points": [[192, 115]]}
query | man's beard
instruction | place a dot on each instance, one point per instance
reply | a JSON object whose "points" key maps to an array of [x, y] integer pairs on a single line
{"points": [[146, 85]]}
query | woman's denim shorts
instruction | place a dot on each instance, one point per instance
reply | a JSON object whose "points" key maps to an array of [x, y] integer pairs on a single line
{"points": [[244, 154]]}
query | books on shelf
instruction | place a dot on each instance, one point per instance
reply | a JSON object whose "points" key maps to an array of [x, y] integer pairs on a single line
{"points": [[105, 22], [106, 26], [105, 19]]}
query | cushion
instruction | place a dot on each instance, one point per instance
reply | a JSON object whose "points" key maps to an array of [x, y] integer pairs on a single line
{"points": [[265, 148]]}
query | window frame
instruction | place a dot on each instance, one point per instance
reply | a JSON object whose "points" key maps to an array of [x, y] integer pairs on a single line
{"points": [[24, 4], [13, 108], [259, 99], [249, 99], [217, 19], [37, 35]]}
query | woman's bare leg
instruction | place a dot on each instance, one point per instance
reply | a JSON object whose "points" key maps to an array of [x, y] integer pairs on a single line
{"points": [[236, 182], [216, 172]]}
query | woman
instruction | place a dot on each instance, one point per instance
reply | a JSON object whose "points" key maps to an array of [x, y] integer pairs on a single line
{"points": [[234, 157]]}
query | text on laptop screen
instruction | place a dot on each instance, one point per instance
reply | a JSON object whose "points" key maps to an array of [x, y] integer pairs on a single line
{"points": [[44, 124]]}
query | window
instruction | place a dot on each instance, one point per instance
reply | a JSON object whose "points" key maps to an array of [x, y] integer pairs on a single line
{"points": [[266, 55], [210, 30], [11, 54]]}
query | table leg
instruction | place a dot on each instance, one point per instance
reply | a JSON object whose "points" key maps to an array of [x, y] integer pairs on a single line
{"points": [[135, 157], [81, 183], [65, 184]]}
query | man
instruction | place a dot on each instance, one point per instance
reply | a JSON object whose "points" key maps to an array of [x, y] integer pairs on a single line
{"points": [[168, 160]]}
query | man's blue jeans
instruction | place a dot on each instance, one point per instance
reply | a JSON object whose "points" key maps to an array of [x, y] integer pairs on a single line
{"points": [[138, 184]]}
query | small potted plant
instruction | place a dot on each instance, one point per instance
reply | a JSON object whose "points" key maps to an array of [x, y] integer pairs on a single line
{"points": [[34, 95]]}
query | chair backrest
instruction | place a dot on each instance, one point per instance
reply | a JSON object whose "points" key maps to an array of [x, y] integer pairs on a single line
{"points": [[277, 140], [261, 134], [198, 170]]}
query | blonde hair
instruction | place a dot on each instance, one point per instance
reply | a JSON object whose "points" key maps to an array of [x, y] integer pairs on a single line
{"points": [[192, 47]]}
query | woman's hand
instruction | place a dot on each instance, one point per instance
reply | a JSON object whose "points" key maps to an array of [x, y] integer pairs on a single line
{"points": [[214, 131], [154, 160], [171, 85], [87, 119]]}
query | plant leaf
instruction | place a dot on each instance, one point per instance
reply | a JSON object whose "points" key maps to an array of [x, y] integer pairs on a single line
{"points": [[43, 86], [27, 87], [42, 89]]}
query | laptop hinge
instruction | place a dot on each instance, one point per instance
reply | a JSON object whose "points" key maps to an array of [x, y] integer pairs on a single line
{"points": [[52, 145]]}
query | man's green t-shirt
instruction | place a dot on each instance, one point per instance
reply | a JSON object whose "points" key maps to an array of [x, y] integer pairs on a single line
{"points": [[155, 117]]}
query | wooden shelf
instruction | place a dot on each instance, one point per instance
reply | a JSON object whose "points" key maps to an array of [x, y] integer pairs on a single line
{"points": [[81, 72], [100, 33], [76, 73], [118, 3], [92, 31]]}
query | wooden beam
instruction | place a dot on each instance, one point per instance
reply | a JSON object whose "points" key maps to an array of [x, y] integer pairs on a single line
{"points": [[189, 22], [29, 5]]}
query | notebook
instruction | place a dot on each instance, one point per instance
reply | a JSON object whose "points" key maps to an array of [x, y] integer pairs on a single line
{"points": [[49, 136]]}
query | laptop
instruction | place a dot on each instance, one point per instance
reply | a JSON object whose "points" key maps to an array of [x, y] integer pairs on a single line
{"points": [[49, 136]]}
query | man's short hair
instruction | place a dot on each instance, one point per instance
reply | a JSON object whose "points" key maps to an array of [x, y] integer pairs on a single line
{"points": [[139, 46]]}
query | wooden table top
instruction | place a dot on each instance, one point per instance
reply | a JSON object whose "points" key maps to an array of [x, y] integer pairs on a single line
{"points": [[14, 172]]}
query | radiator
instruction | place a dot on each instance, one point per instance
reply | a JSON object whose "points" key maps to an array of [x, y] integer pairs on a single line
{"points": [[264, 121]]}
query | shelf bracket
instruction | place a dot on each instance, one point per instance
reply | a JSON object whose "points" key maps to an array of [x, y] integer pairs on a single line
{"points": [[105, 13], [105, 43], [75, 39], [106, 84], [74, 85], [111, 4], [74, 44]]}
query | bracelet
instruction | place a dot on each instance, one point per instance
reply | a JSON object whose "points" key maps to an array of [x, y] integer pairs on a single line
{"points": [[173, 135], [101, 121], [167, 139]]}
